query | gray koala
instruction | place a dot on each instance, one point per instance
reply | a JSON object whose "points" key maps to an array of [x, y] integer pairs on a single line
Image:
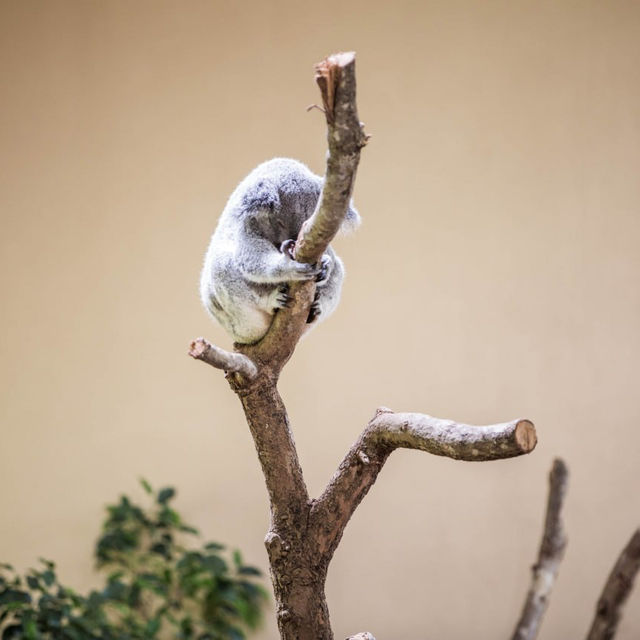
{"points": [[248, 267]]}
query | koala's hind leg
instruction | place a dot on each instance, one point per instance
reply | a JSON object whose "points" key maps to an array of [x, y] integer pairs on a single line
{"points": [[250, 318]]}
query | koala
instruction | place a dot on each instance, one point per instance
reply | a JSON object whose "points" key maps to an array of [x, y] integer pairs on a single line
{"points": [[249, 265]]}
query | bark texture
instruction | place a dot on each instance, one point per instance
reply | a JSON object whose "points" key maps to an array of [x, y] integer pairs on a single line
{"points": [[303, 533], [550, 554], [616, 591]]}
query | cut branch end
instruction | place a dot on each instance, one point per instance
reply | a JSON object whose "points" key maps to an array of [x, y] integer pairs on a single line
{"points": [[218, 358], [525, 436]]}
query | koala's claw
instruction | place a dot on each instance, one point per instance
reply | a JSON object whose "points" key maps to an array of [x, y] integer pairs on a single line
{"points": [[314, 310], [283, 299], [323, 274]]}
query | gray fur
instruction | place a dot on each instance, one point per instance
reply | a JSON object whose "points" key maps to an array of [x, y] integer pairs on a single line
{"points": [[245, 274]]}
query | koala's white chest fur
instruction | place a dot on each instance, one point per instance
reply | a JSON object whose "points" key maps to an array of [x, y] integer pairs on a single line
{"points": [[246, 272]]}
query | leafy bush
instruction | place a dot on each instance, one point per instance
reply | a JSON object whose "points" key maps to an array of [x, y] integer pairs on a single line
{"points": [[155, 587]]}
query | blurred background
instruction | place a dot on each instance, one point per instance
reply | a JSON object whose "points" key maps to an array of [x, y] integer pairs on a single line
{"points": [[496, 275]]}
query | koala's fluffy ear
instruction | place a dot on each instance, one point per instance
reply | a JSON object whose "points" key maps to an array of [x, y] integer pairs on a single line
{"points": [[352, 219], [263, 195]]}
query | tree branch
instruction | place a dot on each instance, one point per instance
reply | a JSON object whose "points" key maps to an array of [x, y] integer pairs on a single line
{"points": [[336, 77], [550, 554], [616, 591], [203, 350], [388, 431], [269, 423]]}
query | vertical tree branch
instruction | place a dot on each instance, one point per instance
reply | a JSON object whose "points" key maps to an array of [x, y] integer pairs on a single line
{"points": [[269, 424], [336, 77], [550, 554], [616, 591]]}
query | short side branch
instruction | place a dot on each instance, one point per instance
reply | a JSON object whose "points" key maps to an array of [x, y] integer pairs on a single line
{"points": [[552, 547], [616, 591], [203, 350], [388, 431], [452, 439]]}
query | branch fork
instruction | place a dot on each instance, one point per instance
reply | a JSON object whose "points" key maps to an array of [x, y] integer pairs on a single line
{"points": [[304, 533]]}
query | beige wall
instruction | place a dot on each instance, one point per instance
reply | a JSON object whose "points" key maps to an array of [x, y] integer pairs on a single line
{"points": [[497, 274]]}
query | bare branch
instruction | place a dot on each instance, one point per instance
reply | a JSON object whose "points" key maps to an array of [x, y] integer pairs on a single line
{"points": [[388, 431], [452, 439], [267, 418], [616, 591], [336, 77], [550, 554], [203, 350]]}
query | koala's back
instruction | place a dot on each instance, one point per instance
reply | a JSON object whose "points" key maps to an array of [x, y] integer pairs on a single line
{"points": [[244, 267]]}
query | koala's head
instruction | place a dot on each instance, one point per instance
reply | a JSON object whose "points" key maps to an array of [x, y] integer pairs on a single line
{"points": [[279, 195]]}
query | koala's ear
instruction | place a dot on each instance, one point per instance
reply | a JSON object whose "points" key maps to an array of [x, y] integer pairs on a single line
{"points": [[352, 219], [263, 195]]}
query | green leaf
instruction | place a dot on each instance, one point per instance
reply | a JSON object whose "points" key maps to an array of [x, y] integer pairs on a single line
{"points": [[214, 546], [48, 563], [152, 627], [233, 633], [146, 486], [152, 582], [49, 577], [115, 575], [164, 495], [33, 582], [187, 529], [30, 630], [168, 517], [249, 571], [161, 549], [13, 596], [215, 564], [237, 558]]}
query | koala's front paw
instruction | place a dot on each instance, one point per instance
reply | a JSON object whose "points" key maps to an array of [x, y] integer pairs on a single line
{"points": [[281, 298], [325, 267], [297, 270]]}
